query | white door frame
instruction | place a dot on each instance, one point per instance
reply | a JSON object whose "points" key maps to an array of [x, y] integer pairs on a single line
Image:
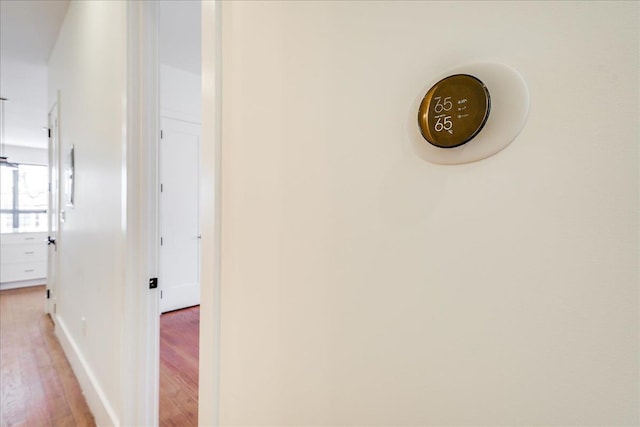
{"points": [[210, 214], [141, 341], [53, 212]]}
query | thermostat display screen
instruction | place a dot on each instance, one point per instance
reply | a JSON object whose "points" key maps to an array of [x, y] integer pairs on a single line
{"points": [[454, 111]]}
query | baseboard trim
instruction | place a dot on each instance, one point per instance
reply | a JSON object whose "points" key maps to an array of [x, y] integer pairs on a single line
{"points": [[98, 403]]}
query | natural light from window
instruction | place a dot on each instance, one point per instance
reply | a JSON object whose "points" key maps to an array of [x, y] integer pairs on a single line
{"points": [[23, 198]]}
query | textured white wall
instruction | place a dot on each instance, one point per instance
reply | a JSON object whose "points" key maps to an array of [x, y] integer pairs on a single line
{"points": [[362, 285], [87, 66]]}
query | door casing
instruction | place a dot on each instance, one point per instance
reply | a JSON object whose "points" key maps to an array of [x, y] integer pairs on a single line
{"points": [[53, 214]]}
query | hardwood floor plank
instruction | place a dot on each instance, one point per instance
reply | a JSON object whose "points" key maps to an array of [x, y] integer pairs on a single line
{"points": [[13, 393], [37, 385], [179, 346], [35, 375], [65, 421], [38, 414]]}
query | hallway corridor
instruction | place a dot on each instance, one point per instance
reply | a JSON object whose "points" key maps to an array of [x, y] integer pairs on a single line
{"points": [[37, 385]]}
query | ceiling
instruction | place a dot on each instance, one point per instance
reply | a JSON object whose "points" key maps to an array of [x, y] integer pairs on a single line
{"points": [[28, 31]]}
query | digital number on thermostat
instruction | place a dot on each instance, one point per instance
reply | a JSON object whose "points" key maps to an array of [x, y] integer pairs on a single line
{"points": [[454, 111]]}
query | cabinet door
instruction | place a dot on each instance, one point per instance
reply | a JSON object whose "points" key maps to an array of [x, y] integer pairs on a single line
{"points": [[17, 271], [24, 252]]}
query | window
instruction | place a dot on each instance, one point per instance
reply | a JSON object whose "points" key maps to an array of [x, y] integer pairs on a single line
{"points": [[23, 198]]}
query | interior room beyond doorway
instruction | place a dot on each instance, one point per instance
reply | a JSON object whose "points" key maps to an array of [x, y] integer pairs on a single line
{"points": [[179, 45]]}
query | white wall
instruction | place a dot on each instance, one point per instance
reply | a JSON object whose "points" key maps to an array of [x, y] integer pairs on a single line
{"points": [[180, 34], [87, 67], [180, 94], [362, 285], [30, 155], [179, 45], [24, 84]]}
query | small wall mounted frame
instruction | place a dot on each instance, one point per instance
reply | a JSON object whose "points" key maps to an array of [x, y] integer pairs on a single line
{"points": [[509, 107], [70, 172]]}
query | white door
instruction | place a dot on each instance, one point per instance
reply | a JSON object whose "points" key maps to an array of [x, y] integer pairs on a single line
{"points": [[179, 279], [52, 213]]}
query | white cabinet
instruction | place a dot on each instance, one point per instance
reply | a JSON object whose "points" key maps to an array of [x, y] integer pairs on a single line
{"points": [[23, 259]]}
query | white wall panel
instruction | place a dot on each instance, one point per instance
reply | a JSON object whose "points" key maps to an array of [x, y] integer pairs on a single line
{"points": [[87, 67], [180, 94], [362, 285], [30, 155]]}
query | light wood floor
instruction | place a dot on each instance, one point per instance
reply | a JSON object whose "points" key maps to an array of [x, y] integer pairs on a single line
{"points": [[179, 344], [37, 385]]}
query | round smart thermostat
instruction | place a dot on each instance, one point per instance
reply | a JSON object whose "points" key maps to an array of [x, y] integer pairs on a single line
{"points": [[454, 111]]}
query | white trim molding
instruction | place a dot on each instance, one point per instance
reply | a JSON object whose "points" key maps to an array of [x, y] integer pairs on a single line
{"points": [[102, 410], [141, 326], [210, 216]]}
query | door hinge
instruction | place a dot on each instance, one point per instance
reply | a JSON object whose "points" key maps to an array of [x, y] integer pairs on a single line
{"points": [[160, 294], [49, 131], [161, 188], [161, 241], [48, 293], [153, 283], [161, 134]]}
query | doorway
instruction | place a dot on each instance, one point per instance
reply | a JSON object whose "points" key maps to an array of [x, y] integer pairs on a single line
{"points": [[52, 213], [180, 118]]}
